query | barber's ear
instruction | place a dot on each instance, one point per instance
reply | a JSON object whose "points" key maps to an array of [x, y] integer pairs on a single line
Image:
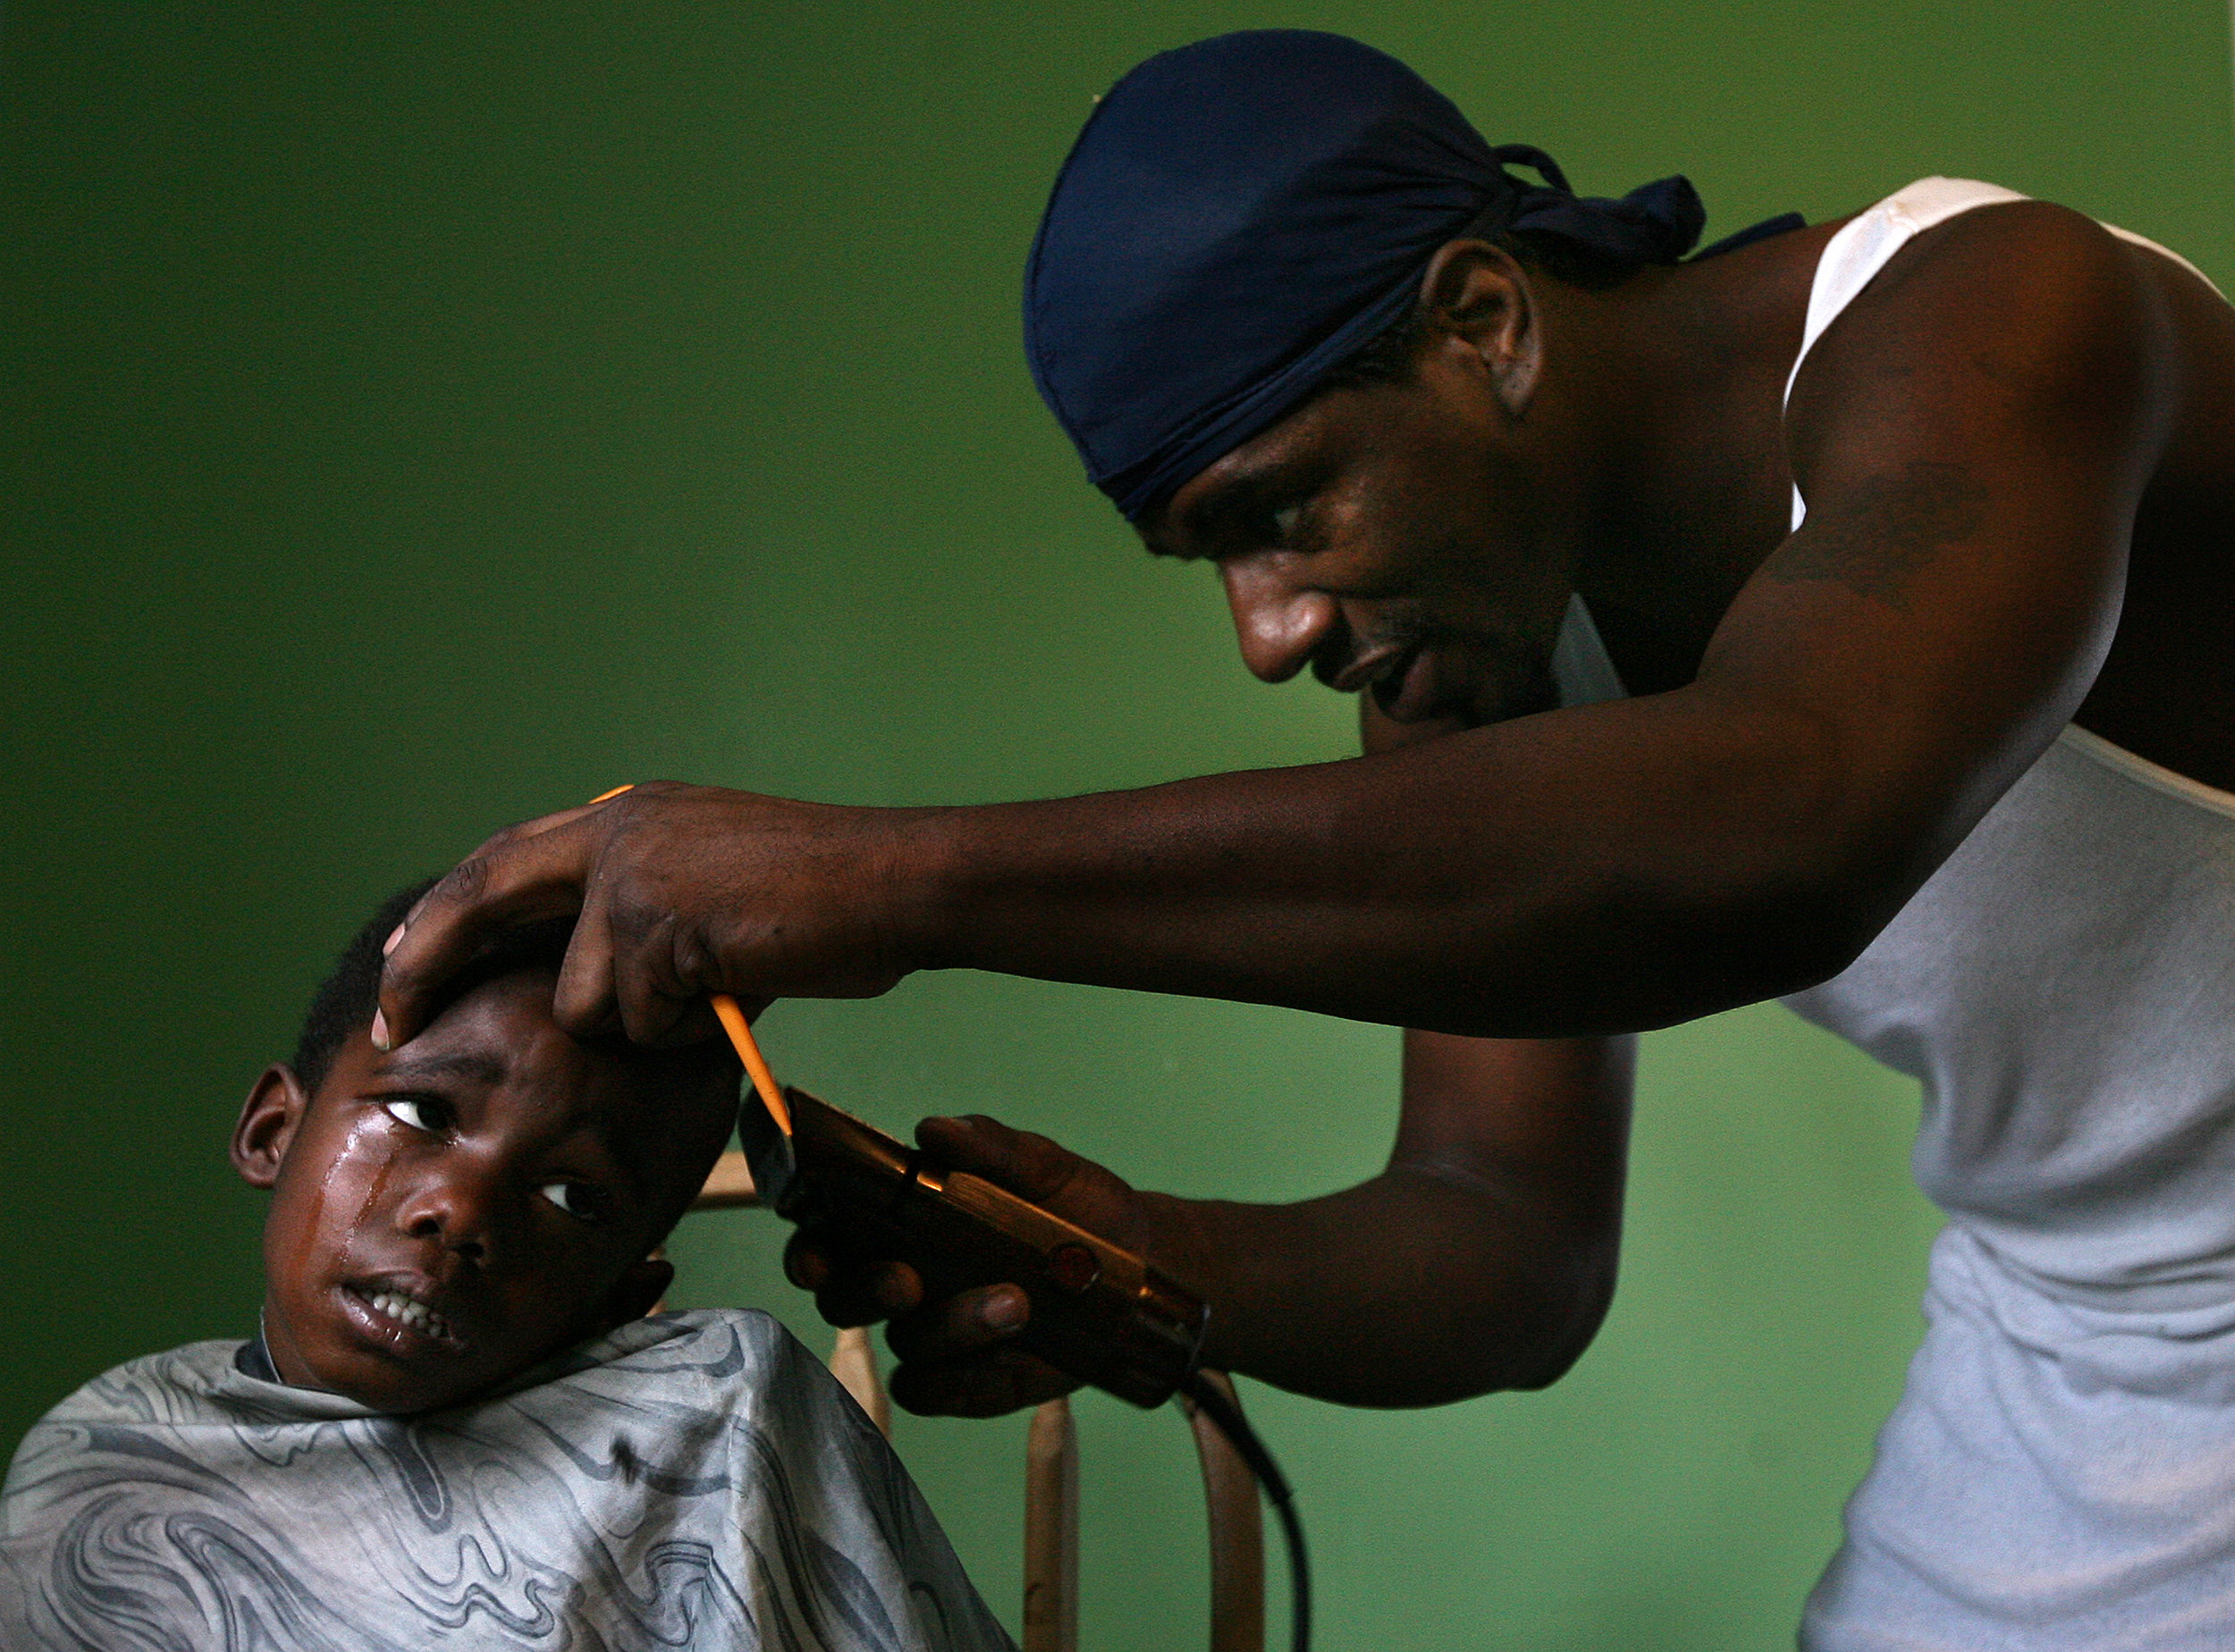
{"points": [[638, 1291], [268, 1121], [1479, 296]]}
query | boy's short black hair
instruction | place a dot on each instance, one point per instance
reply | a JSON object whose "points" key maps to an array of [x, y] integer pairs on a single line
{"points": [[345, 999], [345, 1002]]}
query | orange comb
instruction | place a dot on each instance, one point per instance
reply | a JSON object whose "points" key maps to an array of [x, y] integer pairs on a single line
{"points": [[740, 1031]]}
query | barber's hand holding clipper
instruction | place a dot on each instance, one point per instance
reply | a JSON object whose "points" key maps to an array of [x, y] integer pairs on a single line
{"points": [[958, 1355]]}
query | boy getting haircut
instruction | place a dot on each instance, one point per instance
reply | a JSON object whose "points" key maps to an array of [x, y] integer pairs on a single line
{"points": [[454, 1425]]}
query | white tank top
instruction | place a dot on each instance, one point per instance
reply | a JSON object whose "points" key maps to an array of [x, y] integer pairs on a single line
{"points": [[2060, 1471]]}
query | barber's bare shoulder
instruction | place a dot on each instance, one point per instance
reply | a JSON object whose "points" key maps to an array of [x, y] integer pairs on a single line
{"points": [[2025, 414], [2010, 368], [2005, 317]]}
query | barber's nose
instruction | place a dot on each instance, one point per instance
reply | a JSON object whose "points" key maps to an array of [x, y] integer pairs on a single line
{"points": [[1279, 627]]}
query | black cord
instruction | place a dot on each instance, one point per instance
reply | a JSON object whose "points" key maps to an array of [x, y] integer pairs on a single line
{"points": [[1226, 1417]]}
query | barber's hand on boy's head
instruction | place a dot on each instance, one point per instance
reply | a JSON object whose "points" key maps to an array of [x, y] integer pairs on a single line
{"points": [[682, 891], [958, 1356]]}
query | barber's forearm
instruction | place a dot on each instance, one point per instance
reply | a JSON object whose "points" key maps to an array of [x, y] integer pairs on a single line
{"points": [[1410, 1289], [1480, 885]]}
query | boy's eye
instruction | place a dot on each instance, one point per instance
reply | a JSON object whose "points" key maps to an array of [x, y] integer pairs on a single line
{"points": [[431, 1117], [577, 1199]]}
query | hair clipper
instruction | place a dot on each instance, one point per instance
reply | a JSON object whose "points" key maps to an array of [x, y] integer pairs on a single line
{"points": [[1099, 1312]]}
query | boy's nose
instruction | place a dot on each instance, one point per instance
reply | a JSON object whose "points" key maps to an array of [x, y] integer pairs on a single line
{"points": [[1279, 626], [457, 1212]]}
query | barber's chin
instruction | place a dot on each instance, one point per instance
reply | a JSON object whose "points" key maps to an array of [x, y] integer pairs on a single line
{"points": [[1460, 692], [1416, 694]]}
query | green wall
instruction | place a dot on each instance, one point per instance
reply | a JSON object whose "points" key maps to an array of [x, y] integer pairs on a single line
{"points": [[425, 416]]}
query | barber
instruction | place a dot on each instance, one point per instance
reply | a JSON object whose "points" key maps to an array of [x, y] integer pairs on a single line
{"points": [[1842, 614]]}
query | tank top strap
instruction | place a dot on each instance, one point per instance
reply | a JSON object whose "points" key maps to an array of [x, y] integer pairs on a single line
{"points": [[1581, 668]]}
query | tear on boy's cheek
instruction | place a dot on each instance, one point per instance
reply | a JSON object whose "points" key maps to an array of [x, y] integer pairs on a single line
{"points": [[353, 1304]]}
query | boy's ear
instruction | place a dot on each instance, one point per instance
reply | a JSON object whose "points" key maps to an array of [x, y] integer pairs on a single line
{"points": [[268, 1121], [638, 1291]]}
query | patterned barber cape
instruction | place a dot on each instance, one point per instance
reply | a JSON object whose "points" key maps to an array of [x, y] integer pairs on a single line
{"points": [[696, 1480]]}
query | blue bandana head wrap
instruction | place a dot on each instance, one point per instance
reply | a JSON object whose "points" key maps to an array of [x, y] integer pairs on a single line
{"points": [[1242, 215]]}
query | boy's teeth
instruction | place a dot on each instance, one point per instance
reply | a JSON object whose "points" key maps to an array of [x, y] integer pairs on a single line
{"points": [[397, 1306]]}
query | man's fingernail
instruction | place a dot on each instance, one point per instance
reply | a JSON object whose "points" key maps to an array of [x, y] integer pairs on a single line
{"points": [[380, 1031], [1004, 1312], [395, 936]]}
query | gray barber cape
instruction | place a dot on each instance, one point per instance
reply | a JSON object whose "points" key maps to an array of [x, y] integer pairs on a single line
{"points": [[695, 1479]]}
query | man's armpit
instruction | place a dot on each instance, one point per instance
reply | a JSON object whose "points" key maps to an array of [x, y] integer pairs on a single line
{"points": [[1882, 534]]}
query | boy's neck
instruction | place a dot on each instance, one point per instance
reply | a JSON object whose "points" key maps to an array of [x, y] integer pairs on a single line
{"points": [[255, 1358]]}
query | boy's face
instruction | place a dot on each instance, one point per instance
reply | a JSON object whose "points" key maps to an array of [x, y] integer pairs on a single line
{"points": [[447, 1215]]}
